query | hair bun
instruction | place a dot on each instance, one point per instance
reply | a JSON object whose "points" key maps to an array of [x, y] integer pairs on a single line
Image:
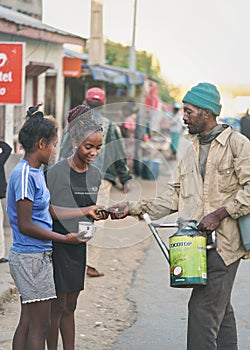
{"points": [[33, 111], [83, 111]]}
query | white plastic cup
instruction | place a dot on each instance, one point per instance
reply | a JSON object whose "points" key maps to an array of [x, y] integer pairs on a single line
{"points": [[86, 230]]}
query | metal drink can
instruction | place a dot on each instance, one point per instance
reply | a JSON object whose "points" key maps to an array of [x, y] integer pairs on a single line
{"points": [[188, 262]]}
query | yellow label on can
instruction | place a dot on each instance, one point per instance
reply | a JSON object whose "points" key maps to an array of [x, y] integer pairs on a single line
{"points": [[188, 261]]}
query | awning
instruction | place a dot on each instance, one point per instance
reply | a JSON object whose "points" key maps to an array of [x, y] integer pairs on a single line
{"points": [[107, 73], [117, 75], [70, 53], [33, 69]]}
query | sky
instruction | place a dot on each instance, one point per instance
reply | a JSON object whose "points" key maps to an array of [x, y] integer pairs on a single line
{"points": [[194, 40]]}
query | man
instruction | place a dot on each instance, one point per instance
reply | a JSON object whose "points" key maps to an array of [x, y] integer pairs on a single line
{"points": [[111, 160], [211, 184], [5, 151], [245, 125], [175, 129]]}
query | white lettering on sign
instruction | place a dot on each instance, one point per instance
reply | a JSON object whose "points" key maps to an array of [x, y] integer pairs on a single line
{"points": [[3, 59], [2, 91], [6, 77]]}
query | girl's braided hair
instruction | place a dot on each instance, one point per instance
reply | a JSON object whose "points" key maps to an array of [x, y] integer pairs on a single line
{"points": [[36, 127], [81, 122]]}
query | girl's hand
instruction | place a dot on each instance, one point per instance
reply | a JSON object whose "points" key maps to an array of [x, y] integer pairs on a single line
{"points": [[76, 238], [97, 212], [81, 235], [102, 213]]}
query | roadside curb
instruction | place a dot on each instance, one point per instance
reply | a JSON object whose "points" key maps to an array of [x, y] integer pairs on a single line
{"points": [[6, 294], [7, 285]]}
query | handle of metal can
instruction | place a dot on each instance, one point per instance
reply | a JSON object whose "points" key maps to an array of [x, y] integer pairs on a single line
{"points": [[165, 224], [210, 245], [161, 244]]}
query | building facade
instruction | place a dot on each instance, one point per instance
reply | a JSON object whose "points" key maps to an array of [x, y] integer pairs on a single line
{"points": [[44, 80]]}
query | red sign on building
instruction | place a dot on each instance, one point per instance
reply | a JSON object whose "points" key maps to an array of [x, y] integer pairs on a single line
{"points": [[72, 67], [11, 73]]}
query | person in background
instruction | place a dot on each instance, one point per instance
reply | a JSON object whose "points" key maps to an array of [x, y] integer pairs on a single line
{"points": [[128, 131], [111, 162], [165, 121], [5, 151], [245, 125], [112, 159], [72, 182], [30, 217], [211, 184], [175, 129], [140, 132]]}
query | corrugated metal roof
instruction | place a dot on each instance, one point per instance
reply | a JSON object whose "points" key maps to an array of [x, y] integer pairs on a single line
{"points": [[25, 20]]}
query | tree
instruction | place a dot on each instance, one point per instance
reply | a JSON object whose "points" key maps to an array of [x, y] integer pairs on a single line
{"points": [[118, 55]]}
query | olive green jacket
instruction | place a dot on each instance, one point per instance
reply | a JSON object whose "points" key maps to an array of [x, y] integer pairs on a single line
{"points": [[226, 184]]}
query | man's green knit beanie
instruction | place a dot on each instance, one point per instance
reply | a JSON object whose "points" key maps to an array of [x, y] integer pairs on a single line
{"points": [[204, 95]]}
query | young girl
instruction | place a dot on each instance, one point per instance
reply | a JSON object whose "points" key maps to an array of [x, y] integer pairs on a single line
{"points": [[72, 182], [31, 223]]}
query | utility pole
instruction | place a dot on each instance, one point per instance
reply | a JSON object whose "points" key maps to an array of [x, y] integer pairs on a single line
{"points": [[96, 42], [132, 52]]}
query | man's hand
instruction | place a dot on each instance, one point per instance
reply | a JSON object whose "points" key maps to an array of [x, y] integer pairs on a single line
{"points": [[212, 221], [119, 211]]}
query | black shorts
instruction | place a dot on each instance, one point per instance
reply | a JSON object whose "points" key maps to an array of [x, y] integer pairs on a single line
{"points": [[69, 263]]}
